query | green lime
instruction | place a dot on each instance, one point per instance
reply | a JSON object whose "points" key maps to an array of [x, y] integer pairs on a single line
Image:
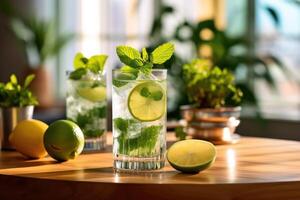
{"points": [[63, 140], [92, 94], [191, 156], [147, 101]]}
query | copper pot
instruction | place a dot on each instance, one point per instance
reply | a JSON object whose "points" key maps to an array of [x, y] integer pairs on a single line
{"points": [[216, 125], [9, 117]]}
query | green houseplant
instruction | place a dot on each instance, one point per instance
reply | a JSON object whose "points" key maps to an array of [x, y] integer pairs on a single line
{"points": [[235, 53], [214, 110], [16, 103]]}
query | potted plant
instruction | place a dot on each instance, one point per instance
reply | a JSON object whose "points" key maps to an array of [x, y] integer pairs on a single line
{"points": [[16, 104], [214, 111], [39, 40]]}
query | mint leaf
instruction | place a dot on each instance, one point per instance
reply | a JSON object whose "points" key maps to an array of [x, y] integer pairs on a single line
{"points": [[148, 137], [96, 63], [86, 121], [140, 61], [141, 144], [147, 68], [28, 80], [82, 120], [98, 112], [78, 73], [145, 54], [145, 92], [129, 56], [128, 69], [162, 53], [123, 78], [157, 96], [79, 61], [144, 143], [93, 132], [121, 124]]}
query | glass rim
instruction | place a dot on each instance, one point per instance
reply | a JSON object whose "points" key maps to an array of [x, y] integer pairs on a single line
{"points": [[68, 72], [156, 70]]}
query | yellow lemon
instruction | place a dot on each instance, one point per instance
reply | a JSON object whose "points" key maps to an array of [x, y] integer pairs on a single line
{"points": [[27, 138]]}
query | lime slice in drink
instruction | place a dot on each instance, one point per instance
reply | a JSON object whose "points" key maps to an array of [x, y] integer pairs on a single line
{"points": [[147, 101], [191, 156], [92, 94]]}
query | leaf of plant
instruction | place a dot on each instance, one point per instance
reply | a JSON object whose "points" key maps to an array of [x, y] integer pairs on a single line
{"points": [[121, 124], [93, 132], [96, 63], [82, 120], [78, 73], [146, 69], [180, 133], [28, 80], [9, 86], [162, 53], [13, 79], [79, 61], [122, 79], [59, 43], [130, 70], [21, 31], [145, 92], [157, 96], [145, 54], [129, 56], [99, 112], [148, 138]]}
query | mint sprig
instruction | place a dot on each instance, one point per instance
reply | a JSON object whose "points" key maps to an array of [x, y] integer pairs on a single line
{"points": [[144, 141], [86, 120], [142, 62], [82, 65]]}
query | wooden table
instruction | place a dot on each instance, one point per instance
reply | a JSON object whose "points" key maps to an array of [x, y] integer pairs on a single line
{"points": [[252, 169]]}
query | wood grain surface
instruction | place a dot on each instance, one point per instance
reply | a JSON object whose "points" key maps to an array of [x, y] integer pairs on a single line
{"points": [[255, 168]]}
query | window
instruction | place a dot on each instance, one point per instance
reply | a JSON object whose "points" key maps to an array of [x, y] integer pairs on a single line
{"points": [[281, 38]]}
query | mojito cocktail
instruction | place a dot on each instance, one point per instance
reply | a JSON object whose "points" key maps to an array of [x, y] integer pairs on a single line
{"points": [[139, 101], [86, 100], [139, 120]]}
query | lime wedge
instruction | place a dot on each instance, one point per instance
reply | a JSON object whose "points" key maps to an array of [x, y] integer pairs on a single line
{"points": [[92, 94], [147, 101], [191, 156]]}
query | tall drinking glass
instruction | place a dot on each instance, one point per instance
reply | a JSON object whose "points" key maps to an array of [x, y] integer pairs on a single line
{"points": [[86, 106], [139, 120]]}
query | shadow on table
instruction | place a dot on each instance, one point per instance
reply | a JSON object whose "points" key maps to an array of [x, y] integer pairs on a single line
{"points": [[107, 174], [19, 161]]}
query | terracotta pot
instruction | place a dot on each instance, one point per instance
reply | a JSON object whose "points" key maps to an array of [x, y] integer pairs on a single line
{"points": [[42, 86], [215, 125]]}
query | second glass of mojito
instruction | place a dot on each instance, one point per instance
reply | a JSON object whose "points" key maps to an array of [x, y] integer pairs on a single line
{"points": [[139, 120], [86, 99]]}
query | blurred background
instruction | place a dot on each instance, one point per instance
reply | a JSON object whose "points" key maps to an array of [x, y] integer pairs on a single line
{"points": [[258, 40]]}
